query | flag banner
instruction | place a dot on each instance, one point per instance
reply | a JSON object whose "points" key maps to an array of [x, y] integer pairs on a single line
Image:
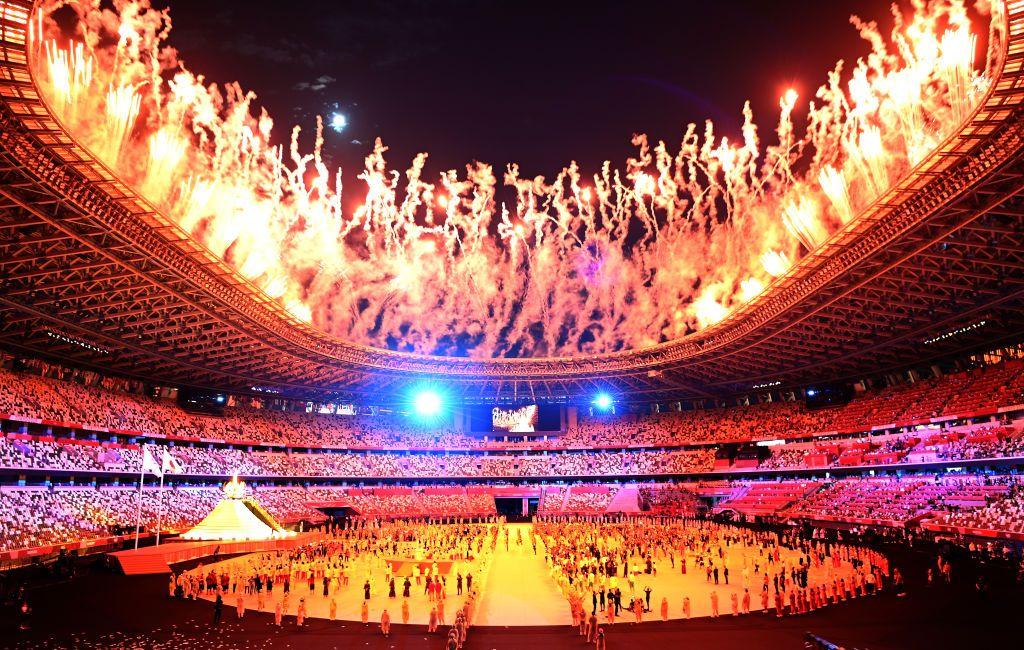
{"points": [[149, 463], [172, 465]]}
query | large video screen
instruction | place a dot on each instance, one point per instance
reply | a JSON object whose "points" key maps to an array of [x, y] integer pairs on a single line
{"points": [[528, 418], [518, 420]]}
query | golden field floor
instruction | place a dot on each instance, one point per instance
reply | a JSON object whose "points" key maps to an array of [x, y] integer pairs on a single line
{"points": [[518, 590]]}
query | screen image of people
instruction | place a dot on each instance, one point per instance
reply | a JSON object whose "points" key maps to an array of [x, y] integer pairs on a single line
{"points": [[520, 420]]}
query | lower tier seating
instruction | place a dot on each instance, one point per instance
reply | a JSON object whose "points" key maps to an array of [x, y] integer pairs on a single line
{"points": [[41, 516]]}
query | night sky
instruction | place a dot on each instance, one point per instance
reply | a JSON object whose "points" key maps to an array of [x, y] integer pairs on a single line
{"points": [[539, 83]]}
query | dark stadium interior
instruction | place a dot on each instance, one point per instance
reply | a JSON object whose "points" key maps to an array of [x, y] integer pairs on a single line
{"points": [[624, 361]]}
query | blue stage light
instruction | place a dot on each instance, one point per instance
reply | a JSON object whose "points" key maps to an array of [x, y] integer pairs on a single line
{"points": [[427, 403], [603, 401]]}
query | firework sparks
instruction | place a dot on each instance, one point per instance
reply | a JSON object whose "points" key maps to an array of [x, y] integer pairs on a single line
{"points": [[441, 266]]}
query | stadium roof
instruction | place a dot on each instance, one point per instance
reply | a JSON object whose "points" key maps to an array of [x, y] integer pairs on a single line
{"points": [[92, 274]]}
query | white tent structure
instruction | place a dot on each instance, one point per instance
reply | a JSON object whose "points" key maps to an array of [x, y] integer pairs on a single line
{"points": [[237, 518]]}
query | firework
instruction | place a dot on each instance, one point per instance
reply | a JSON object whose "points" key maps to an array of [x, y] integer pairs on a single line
{"points": [[439, 265]]}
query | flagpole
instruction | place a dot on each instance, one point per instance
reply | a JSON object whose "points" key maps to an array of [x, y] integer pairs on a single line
{"points": [[138, 516], [160, 511]]}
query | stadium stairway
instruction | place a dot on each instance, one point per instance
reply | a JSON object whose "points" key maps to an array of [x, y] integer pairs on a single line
{"points": [[142, 563], [736, 495], [626, 500], [565, 500]]}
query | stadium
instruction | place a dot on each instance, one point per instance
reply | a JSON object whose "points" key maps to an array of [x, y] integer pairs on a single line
{"points": [[765, 390]]}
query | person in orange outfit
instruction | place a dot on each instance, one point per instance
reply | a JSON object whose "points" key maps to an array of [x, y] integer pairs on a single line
{"points": [[432, 624], [385, 623]]}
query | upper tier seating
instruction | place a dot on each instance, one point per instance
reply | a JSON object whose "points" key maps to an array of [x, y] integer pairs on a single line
{"points": [[100, 407], [962, 443]]}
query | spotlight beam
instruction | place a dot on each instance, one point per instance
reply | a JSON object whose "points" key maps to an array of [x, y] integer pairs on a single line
{"points": [[427, 403]]}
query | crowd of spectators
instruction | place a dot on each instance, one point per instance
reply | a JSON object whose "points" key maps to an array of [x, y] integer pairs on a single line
{"points": [[288, 504], [209, 460], [32, 517], [965, 443], [981, 388], [421, 503], [37, 516], [97, 407], [898, 500], [704, 425], [18, 451], [786, 457], [670, 499], [373, 447], [988, 387], [1003, 515], [1001, 442], [588, 499], [92, 401], [552, 499], [22, 452]]}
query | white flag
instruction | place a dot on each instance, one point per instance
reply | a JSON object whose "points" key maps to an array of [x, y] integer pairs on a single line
{"points": [[172, 465], [149, 463]]}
